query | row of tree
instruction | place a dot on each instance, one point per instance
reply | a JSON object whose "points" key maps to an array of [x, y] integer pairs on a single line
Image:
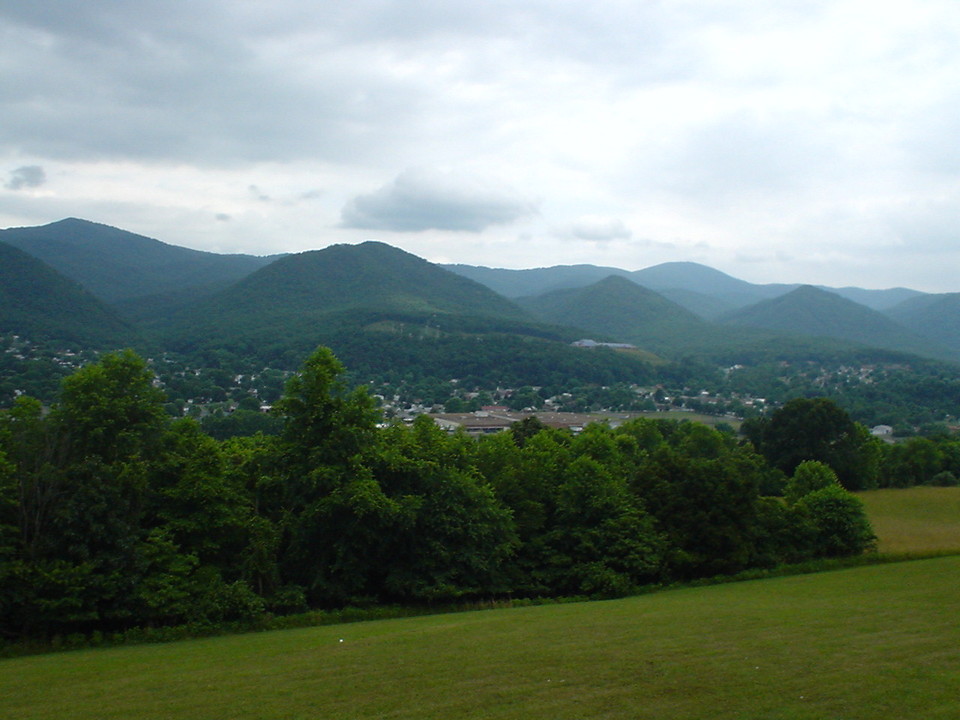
{"points": [[112, 515]]}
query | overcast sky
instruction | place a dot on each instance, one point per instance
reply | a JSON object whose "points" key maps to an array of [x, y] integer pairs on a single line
{"points": [[789, 141]]}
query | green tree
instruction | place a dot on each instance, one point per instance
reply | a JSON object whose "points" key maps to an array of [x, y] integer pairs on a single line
{"points": [[840, 521], [816, 429], [808, 477], [325, 423], [111, 409]]}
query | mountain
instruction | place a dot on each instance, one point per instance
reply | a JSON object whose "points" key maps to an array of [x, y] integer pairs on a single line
{"points": [[705, 306], [701, 289], [38, 303], [616, 309], [535, 281], [116, 265], [877, 299], [383, 310], [314, 291], [810, 311], [936, 317]]}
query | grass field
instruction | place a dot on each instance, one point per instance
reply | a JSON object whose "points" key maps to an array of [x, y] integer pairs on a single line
{"points": [[879, 641], [915, 520]]}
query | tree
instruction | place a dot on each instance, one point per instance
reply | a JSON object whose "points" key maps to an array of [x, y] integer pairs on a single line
{"points": [[817, 429], [326, 487], [809, 477], [840, 520], [82, 474], [326, 424], [111, 409]]}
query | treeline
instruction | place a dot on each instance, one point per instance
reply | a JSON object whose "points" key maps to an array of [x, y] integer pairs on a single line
{"points": [[817, 428], [114, 516]]}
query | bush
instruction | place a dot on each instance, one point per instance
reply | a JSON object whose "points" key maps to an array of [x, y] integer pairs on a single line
{"points": [[841, 523]]}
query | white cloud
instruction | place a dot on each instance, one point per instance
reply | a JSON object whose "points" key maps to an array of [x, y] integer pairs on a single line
{"points": [[598, 228], [424, 199], [713, 131]]}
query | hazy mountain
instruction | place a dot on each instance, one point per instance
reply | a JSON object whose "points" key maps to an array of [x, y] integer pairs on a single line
{"points": [[699, 288], [936, 317], [876, 299], [616, 309], [38, 303], [814, 312], [118, 265], [704, 306], [535, 281]]}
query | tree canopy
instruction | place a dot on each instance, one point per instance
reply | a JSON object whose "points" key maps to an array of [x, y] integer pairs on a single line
{"points": [[113, 515]]}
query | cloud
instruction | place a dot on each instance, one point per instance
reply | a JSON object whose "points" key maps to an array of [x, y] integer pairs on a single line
{"points": [[28, 176], [258, 194], [691, 122], [420, 200], [598, 228]]}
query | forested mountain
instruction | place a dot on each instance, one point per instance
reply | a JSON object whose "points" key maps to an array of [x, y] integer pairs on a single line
{"points": [[701, 289], [380, 308], [618, 310], [310, 288], [936, 317], [813, 312], [117, 265], [535, 281], [386, 311], [706, 281], [38, 302]]}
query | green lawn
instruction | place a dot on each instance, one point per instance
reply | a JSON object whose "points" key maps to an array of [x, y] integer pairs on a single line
{"points": [[915, 520], [880, 641]]}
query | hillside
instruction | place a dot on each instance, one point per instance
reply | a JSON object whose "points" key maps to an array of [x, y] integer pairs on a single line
{"points": [[535, 281], [705, 281], [936, 317], [38, 303], [869, 643], [344, 289], [371, 276], [917, 520], [616, 309], [812, 312], [117, 265]]}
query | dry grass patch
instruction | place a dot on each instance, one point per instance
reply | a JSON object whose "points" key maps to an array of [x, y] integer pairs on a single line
{"points": [[915, 520]]}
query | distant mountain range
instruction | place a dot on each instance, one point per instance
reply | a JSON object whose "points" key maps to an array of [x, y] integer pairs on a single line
{"points": [[702, 289], [812, 312], [365, 292]]}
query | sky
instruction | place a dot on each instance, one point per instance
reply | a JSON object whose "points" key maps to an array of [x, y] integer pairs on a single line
{"points": [[784, 141]]}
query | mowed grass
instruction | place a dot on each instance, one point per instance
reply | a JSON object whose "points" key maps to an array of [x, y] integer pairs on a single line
{"points": [[915, 520], [879, 641]]}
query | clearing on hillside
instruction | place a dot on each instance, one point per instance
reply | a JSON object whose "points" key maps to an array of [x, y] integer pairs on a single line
{"points": [[915, 520]]}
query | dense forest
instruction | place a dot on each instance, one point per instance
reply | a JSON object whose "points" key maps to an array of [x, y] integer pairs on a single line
{"points": [[113, 515]]}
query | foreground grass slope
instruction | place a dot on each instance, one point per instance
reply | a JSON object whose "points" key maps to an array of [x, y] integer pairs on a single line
{"points": [[871, 642]]}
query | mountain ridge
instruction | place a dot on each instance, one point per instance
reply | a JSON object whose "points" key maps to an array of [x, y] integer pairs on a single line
{"points": [[813, 312], [117, 265]]}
